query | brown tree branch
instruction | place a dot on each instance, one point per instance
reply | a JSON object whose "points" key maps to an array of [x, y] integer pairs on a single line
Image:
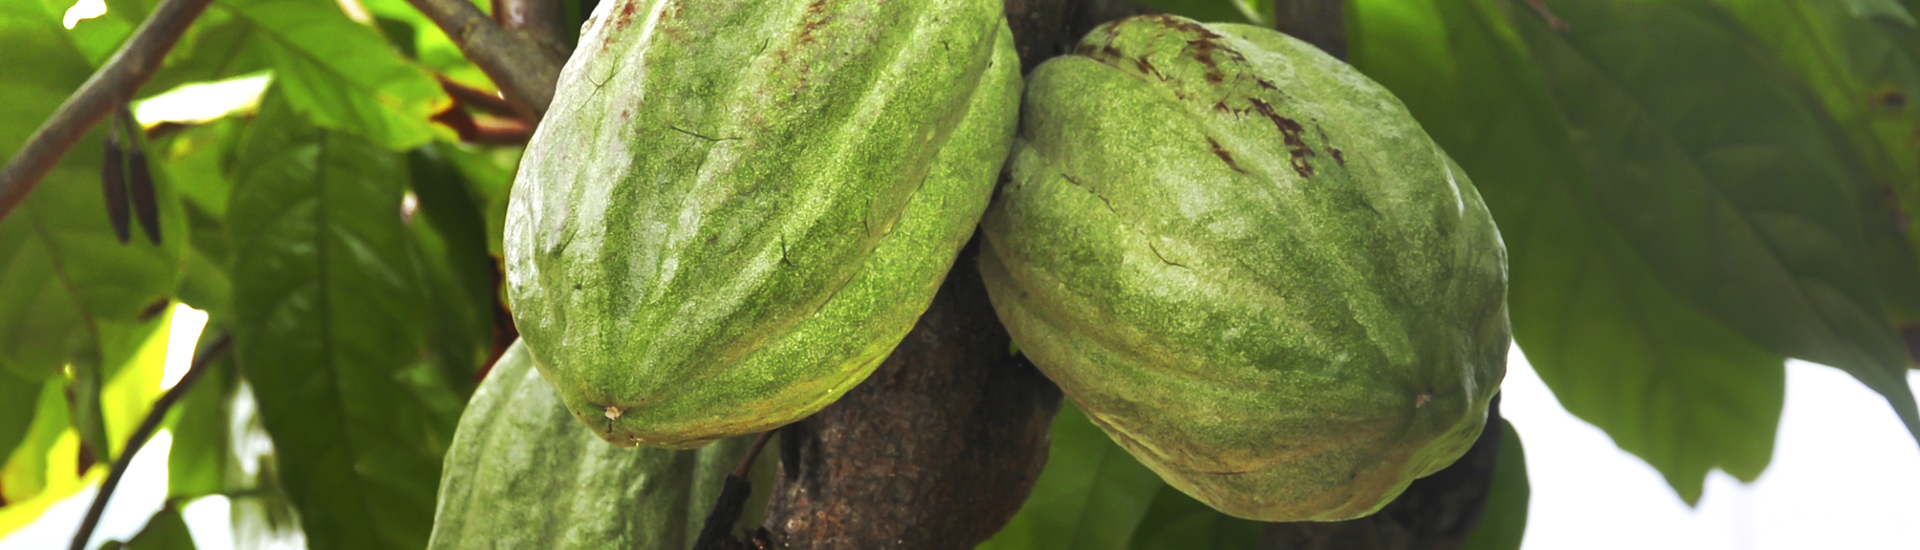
{"points": [[937, 449], [541, 21], [109, 87], [524, 70], [202, 362]]}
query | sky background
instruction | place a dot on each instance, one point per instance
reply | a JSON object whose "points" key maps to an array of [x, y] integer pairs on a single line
{"points": [[1844, 475]]}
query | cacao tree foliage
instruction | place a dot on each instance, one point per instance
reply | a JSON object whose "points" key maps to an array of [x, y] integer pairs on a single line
{"points": [[1690, 192]]}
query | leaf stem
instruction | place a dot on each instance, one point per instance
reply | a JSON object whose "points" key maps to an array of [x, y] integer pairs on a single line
{"points": [[202, 362]]}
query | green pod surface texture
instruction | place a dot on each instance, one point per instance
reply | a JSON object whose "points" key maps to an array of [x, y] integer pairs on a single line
{"points": [[735, 209], [521, 473], [1250, 266]]}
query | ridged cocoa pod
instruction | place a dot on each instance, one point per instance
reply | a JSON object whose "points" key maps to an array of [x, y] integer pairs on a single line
{"points": [[734, 210], [1248, 264]]}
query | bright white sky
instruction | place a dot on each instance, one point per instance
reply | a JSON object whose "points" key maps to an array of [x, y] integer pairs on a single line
{"points": [[1844, 475]]}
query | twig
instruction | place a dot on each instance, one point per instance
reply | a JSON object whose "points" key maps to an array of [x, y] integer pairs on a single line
{"points": [[524, 71], [478, 99], [715, 533], [202, 362], [110, 86]]}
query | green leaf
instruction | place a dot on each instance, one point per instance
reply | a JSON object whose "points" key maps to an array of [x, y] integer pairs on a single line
{"points": [[84, 407], [1859, 57], [1504, 521], [61, 267], [1668, 383], [488, 173], [16, 409], [1176, 521], [326, 310], [98, 37], [219, 45], [197, 464], [196, 159], [451, 237], [25, 472], [430, 45], [341, 74], [1720, 172], [166, 530], [1092, 494]]}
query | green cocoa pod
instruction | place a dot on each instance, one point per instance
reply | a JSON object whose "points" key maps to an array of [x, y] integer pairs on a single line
{"points": [[734, 210], [1248, 264], [523, 474]]}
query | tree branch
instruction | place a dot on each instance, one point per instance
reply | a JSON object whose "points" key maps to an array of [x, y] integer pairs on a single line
{"points": [[202, 362], [109, 87], [524, 70], [937, 449], [541, 21]]}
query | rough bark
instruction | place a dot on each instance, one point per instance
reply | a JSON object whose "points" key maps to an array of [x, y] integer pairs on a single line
{"points": [[937, 449], [940, 446], [1436, 513]]}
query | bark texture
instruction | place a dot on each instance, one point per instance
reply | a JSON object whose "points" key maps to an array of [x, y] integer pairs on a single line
{"points": [[937, 449], [940, 446]]}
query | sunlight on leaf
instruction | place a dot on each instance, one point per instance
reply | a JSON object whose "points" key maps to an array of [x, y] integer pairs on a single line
{"points": [[203, 102], [59, 483], [83, 9], [182, 333]]}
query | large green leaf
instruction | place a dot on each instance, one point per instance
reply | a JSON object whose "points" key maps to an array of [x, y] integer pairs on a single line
{"points": [[25, 470], [429, 44], [1668, 383], [1092, 494], [341, 74], [166, 530], [16, 410], [61, 267], [1859, 57], [1176, 521], [219, 45], [1504, 522], [451, 237], [201, 423], [326, 306], [1723, 175], [196, 160]]}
